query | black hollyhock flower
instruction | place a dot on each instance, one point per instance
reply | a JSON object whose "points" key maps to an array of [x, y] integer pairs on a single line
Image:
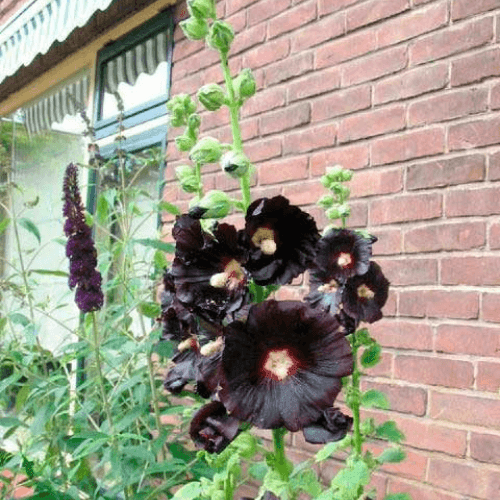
{"points": [[347, 324], [184, 369], [208, 370], [80, 247], [284, 366], [212, 428], [341, 254], [282, 240], [332, 426], [364, 296], [208, 270], [327, 296]]}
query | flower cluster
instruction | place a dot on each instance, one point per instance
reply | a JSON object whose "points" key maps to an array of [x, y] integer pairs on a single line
{"points": [[274, 363], [80, 248]]}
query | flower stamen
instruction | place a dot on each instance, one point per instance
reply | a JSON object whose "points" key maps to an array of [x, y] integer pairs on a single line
{"points": [[264, 239], [279, 364], [365, 293], [344, 260]]}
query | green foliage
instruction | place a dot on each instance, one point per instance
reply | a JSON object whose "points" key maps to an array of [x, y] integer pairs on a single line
{"points": [[375, 399], [389, 430]]}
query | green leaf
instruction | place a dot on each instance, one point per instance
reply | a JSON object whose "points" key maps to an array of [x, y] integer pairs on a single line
{"points": [[160, 261], [157, 244], [306, 481], [350, 479], [169, 207], [19, 319], [363, 337], [331, 448], [398, 496], [258, 470], [389, 430], [8, 422], [102, 209], [48, 272], [371, 355], [4, 224], [150, 309], [375, 399], [190, 491], [31, 227], [391, 456], [164, 348]]}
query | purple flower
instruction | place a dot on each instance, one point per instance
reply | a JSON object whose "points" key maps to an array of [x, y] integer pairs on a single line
{"points": [[80, 248]]}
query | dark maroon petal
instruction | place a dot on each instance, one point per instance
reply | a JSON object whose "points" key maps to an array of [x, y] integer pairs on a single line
{"points": [[332, 426], [182, 372]]}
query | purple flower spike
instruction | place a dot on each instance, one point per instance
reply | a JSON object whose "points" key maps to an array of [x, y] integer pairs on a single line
{"points": [[80, 248]]}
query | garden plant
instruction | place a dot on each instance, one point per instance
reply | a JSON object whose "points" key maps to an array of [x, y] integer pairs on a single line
{"points": [[236, 356]]}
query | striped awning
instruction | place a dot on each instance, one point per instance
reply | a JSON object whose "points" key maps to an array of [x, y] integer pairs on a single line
{"points": [[143, 58], [38, 26], [68, 99]]}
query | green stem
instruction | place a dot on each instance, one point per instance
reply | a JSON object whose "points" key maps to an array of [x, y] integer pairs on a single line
{"points": [[198, 178], [234, 108], [356, 376], [281, 464]]}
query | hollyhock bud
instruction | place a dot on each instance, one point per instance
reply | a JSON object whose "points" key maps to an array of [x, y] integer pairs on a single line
{"points": [[187, 178], [212, 96], [235, 164], [202, 8], [214, 205], [220, 36], [245, 85], [208, 150], [194, 28], [184, 142], [180, 107]]}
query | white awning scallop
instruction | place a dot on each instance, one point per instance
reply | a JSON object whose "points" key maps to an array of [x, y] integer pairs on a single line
{"points": [[38, 26]]}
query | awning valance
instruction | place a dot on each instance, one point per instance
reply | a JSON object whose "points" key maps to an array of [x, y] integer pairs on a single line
{"points": [[37, 27]]}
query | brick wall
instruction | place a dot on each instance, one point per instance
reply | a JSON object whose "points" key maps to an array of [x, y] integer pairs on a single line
{"points": [[406, 93]]}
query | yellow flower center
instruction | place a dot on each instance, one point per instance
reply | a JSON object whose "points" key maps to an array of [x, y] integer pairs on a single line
{"points": [[344, 259], [264, 239], [330, 287], [279, 364], [232, 276], [365, 293]]}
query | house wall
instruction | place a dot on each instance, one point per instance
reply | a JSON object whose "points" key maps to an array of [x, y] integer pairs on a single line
{"points": [[407, 94]]}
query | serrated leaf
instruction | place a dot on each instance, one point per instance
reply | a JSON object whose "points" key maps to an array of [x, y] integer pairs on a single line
{"points": [[4, 224], [150, 309], [371, 355], [8, 422], [391, 456], [351, 478], [190, 491], [306, 481], [389, 430], [160, 260], [169, 207], [102, 209], [157, 244], [19, 319], [48, 272], [258, 470], [398, 496], [30, 227], [375, 399], [331, 448]]}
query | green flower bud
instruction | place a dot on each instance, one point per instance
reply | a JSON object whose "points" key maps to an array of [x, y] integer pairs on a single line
{"points": [[184, 143], [235, 164], [245, 85], [347, 175], [333, 213], [220, 36], [335, 173], [214, 205], [326, 181], [212, 96], [194, 28], [202, 8], [208, 150], [187, 178], [326, 201], [194, 122], [180, 107]]}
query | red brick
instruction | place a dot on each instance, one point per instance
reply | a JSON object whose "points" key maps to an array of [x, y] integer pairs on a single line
{"points": [[446, 172], [467, 339], [291, 67], [405, 208], [352, 157], [258, 13], [475, 67], [189, 84], [473, 271], [285, 119], [414, 144], [491, 307], [375, 181], [488, 376], [495, 96], [195, 63], [448, 106], [249, 130], [408, 271], [485, 447], [445, 236], [374, 66], [236, 5], [310, 138], [464, 478], [292, 18], [346, 48], [439, 304], [411, 83], [413, 466], [267, 53], [371, 123], [214, 119], [340, 102], [388, 243], [263, 149], [283, 170], [494, 236], [327, 6], [305, 193], [466, 8], [317, 82], [413, 24], [463, 202], [452, 40], [248, 38], [321, 31], [474, 134], [434, 371], [265, 100], [494, 170], [418, 491], [402, 398], [184, 48], [372, 11]]}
